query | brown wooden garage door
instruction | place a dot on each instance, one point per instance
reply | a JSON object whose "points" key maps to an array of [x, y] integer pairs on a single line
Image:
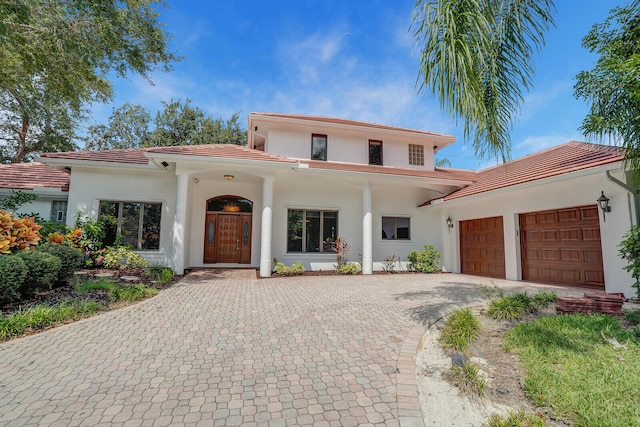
{"points": [[562, 246], [482, 247]]}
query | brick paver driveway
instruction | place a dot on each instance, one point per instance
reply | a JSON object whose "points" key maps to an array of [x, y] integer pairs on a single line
{"points": [[216, 350]]}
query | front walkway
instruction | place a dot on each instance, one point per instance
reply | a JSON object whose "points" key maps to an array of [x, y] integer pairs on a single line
{"points": [[231, 350]]}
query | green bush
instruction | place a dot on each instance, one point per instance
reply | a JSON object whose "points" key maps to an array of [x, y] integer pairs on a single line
{"points": [[123, 257], [160, 273], [71, 259], [296, 269], [425, 261], [42, 271], [350, 268], [629, 249], [14, 272]]}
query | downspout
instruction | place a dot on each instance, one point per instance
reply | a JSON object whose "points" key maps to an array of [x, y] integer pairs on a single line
{"points": [[636, 201]]}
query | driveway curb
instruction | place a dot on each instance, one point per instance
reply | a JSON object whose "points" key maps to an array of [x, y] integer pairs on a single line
{"points": [[409, 410]]}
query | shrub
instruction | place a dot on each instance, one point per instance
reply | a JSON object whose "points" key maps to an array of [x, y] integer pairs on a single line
{"points": [[93, 258], [160, 273], [296, 269], [123, 257], [425, 261], [42, 271], [71, 259], [629, 249], [461, 328], [14, 272], [55, 228], [351, 268], [17, 234], [389, 263]]}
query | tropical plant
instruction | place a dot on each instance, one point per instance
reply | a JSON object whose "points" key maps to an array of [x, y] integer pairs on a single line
{"points": [[124, 257], [348, 268], [296, 269], [425, 261], [629, 250], [389, 263], [476, 56], [17, 234]]}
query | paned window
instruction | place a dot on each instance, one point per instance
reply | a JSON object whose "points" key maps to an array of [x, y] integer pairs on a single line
{"points": [[59, 211], [375, 152], [416, 155], [396, 228], [311, 231], [138, 223], [318, 147]]}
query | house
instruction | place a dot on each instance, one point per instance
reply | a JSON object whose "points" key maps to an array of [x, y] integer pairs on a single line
{"points": [[51, 185], [302, 181]]}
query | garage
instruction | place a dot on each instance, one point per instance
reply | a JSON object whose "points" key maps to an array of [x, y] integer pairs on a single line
{"points": [[562, 246], [482, 247]]}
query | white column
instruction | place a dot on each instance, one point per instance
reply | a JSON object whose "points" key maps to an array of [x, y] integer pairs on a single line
{"points": [[367, 231], [179, 223], [265, 240]]}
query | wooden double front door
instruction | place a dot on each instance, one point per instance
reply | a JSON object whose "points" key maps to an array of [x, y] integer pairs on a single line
{"points": [[227, 238]]}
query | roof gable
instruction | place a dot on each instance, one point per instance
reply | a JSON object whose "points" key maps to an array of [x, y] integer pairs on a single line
{"points": [[29, 176]]}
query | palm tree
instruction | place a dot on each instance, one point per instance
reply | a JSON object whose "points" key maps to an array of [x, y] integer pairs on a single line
{"points": [[476, 56]]}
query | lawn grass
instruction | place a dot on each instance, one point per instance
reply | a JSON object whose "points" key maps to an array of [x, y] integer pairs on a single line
{"points": [[44, 315], [572, 369], [96, 285]]}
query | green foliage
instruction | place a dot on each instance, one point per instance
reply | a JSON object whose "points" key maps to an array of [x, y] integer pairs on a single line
{"points": [[350, 268], [42, 271], [16, 199], [515, 419], [123, 257], [95, 285], [71, 259], [425, 261], [571, 369], [296, 269], [160, 273], [130, 126], [612, 87], [629, 250], [467, 378], [92, 230], [41, 316], [477, 59], [56, 59], [632, 316], [460, 330], [51, 227], [516, 306], [132, 293], [14, 273]]}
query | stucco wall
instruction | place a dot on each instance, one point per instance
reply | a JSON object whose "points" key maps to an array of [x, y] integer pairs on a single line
{"points": [[575, 189], [90, 186]]}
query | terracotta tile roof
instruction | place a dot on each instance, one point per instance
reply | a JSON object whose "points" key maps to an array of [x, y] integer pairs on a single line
{"points": [[28, 176], [129, 155], [438, 173], [349, 122], [569, 157], [137, 155], [220, 150]]}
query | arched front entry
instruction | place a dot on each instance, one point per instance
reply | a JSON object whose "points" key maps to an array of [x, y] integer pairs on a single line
{"points": [[227, 234]]}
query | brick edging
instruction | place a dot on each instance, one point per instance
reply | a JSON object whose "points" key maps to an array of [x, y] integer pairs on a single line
{"points": [[409, 409]]}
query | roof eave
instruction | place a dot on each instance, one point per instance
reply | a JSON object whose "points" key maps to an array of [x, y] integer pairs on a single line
{"points": [[62, 163]]}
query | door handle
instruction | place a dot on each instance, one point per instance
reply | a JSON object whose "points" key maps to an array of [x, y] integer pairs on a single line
{"points": [[237, 244]]}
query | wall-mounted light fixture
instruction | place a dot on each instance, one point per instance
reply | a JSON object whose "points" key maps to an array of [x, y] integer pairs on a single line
{"points": [[449, 223], [229, 177], [603, 202], [164, 164]]}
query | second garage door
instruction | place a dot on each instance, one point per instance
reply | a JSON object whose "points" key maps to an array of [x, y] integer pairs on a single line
{"points": [[482, 247], [562, 246]]}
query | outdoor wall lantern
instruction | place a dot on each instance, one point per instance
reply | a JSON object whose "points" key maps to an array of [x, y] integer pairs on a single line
{"points": [[449, 223], [228, 177], [603, 202]]}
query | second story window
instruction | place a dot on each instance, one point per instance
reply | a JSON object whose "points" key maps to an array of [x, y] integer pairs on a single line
{"points": [[318, 147], [416, 155], [375, 152]]}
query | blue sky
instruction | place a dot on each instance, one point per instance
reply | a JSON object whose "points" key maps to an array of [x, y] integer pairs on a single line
{"points": [[349, 59]]}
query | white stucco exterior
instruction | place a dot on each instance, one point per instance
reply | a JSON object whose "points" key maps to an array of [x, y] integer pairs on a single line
{"points": [[277, 177]]}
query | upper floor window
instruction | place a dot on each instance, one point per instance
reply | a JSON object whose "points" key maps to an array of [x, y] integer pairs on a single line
{"points": [[138, 223], [416, 155], [59, 211], [375, 152], [318, 147]]}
